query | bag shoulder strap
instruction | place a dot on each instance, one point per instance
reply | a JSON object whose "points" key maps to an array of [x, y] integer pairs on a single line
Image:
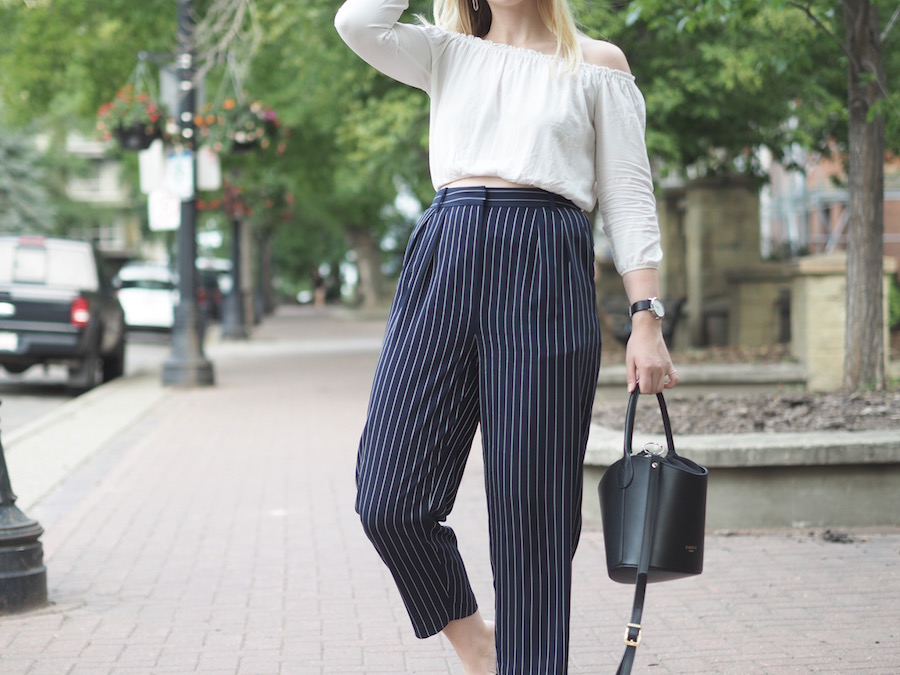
{"points": [[633, 629]]}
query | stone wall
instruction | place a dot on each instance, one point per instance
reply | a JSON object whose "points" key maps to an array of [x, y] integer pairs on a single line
{"points": [[711, 241], [818, 317], [710, 227], [759, 305]]}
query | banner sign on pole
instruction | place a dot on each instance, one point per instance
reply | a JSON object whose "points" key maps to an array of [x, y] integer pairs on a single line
{"points": [[164, 211], [152, 163], [209, 170], [180, 174]]}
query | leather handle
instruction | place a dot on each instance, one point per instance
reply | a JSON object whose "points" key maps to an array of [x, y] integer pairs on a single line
{"points": [[624, 478]]}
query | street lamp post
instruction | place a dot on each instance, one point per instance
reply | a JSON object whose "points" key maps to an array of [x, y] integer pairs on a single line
{"points": [[187, 366], [23, 577], [234, 325]]}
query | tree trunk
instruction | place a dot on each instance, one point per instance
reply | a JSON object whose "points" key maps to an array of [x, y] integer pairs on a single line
{"points": [[368, 265], [864, 341]]}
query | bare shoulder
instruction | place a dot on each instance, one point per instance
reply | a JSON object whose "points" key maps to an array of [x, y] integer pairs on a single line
{"points": [[602, 53]]}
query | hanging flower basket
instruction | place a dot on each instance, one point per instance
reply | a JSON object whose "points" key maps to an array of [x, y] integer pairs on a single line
{"points": [[137, 136], [237, 127], [135, 119], [241, 142]]}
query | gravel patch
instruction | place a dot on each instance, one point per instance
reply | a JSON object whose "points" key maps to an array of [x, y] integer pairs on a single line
{"points": [[801, 411]]}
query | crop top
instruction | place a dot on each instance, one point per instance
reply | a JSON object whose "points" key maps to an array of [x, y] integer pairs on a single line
{"points": [[520, 115]]}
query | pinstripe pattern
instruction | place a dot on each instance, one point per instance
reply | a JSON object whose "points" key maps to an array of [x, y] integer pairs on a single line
{"points": [[493, 322]]}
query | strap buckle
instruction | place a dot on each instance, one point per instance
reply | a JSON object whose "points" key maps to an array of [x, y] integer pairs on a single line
{"points": [[633, 634]]}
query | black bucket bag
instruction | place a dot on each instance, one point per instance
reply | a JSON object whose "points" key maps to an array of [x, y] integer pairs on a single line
{"points": [[653, 506]]}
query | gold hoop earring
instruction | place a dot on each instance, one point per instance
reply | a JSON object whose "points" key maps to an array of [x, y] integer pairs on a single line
{"points": [[475, 5]]}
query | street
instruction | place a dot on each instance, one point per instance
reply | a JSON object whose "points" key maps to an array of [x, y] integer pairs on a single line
{"points": [[38, 390]]}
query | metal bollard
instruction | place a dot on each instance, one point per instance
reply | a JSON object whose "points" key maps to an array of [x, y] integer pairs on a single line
{"points": [[23, 577]]}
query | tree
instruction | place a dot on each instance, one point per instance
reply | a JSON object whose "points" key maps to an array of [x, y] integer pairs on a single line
{"points": [[852, 32], [62, 60], [354, 135], [23, 197], [717, 87], [866, 94]]}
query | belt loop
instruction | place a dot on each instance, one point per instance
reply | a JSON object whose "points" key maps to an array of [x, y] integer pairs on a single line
{"points": [[552, 200], [485, 194], [441, 194]]}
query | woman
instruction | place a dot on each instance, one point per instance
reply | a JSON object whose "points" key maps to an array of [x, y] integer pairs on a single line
{"points": [[494, 322]]}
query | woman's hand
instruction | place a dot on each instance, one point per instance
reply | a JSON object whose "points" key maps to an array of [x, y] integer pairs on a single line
{"points": [[646, 355], [647, 358]]}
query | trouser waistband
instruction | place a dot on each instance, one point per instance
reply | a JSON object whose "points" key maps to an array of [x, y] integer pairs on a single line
{"points": [[500, 196]]}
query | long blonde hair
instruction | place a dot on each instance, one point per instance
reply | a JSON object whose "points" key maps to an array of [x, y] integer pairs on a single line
{"points": [[458, 16]]}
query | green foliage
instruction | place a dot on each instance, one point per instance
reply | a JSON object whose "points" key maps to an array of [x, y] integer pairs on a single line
{"points": [[723, 77], [353, 133], [385, 138], [894, 304], [23, 195], [64, 59]]}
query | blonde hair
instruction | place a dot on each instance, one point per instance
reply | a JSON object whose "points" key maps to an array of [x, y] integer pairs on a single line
{"points": [[457, 16]]}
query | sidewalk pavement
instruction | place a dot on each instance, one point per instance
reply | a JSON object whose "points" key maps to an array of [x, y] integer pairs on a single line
{"points": [[213, 531]]}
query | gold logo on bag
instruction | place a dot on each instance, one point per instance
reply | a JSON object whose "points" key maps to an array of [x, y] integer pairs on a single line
{"points": [[690, 548]]}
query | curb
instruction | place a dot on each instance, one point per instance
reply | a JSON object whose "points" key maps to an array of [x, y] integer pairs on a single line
{"points": [[43, 452], [755, 450]]}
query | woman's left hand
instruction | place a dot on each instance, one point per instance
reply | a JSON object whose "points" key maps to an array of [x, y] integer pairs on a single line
{"points": [[647, 358]]}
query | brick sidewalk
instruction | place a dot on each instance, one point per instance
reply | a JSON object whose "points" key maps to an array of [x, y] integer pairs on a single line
{"points": [[217, 535]]}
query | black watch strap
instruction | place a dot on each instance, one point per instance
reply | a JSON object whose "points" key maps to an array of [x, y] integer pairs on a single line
{"points": [[639, 306]]}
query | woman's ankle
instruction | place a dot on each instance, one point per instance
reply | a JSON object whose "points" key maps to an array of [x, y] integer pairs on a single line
{"points": [[473, 639]]}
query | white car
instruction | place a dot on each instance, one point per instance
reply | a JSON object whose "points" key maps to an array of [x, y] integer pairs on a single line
{"points": [[148, 294]]}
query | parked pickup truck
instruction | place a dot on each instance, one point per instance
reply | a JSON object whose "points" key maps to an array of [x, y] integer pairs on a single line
{"points": [[58, 306]]}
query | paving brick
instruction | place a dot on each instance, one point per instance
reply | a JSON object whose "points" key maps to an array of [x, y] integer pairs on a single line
{"points": [[48, 666]]}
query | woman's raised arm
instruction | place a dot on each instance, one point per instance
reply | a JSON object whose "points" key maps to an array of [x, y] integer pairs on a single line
{"points": [[372, 29]]}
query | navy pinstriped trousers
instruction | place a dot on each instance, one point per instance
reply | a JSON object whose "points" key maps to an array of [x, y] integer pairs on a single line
{"points": [[494, 322]]}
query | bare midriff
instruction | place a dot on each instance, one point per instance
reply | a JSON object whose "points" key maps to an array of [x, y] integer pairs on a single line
{"points": [[484, 181]]}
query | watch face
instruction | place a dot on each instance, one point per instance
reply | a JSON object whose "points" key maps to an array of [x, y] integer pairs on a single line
{"points": [[657, 308]]}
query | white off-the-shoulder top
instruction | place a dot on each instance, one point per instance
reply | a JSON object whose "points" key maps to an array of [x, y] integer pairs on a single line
{"points": [[520, 115]]}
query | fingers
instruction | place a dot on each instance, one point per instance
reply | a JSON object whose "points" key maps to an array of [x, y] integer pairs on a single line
{"points": [[648, 363], [654, 382], [671, 379], [631, 375]]}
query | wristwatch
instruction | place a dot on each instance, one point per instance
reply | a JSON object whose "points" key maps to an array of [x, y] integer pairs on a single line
{"points": [[653, 304]]}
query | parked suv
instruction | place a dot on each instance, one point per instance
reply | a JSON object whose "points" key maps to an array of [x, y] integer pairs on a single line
{"points": [[58, 305]]}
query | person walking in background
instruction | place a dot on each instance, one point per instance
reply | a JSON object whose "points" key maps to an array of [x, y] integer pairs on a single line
{"points": [[494, 320], [318, 290]]}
